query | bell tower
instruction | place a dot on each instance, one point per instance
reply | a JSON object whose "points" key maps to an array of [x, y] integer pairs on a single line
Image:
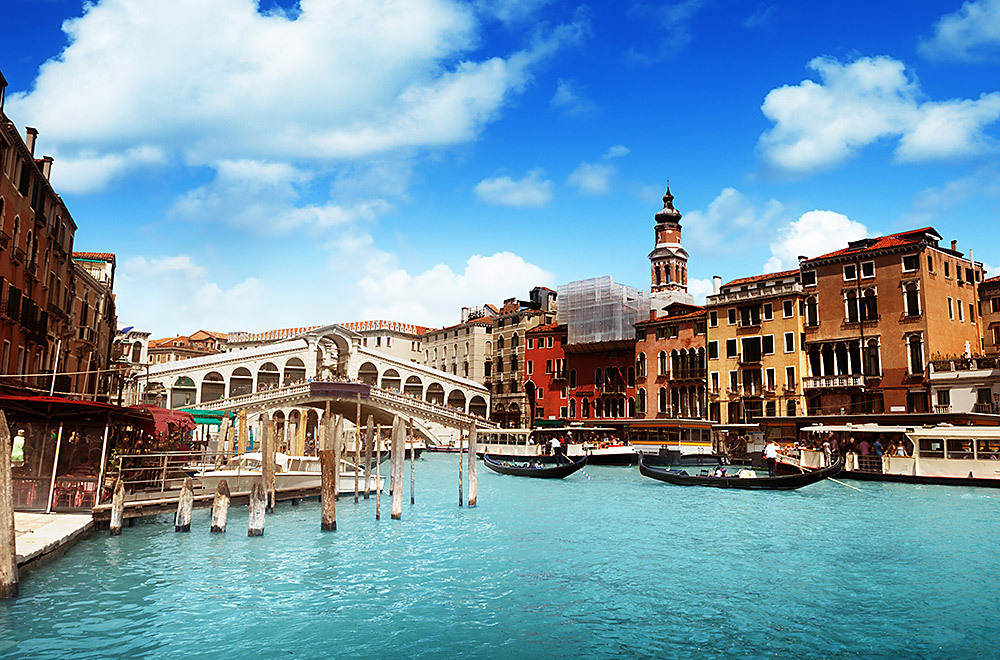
{"points": [[668, 260]]}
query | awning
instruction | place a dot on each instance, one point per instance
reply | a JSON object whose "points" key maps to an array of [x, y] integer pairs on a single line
{"points": [[208, 417], [861, 428], [165, 420], [62, 409]]}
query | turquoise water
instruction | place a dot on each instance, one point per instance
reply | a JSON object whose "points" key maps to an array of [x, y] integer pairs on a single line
{"points": [[610, 566]]}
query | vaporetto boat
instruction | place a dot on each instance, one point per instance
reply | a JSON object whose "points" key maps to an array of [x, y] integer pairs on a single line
{"points": [[939, 454], [290, 472]]}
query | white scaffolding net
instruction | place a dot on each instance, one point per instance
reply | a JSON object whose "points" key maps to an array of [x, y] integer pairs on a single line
{"points": [[597, 310]]}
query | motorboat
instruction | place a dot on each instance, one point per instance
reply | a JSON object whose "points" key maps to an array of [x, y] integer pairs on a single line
{"points": [[290, 472]]}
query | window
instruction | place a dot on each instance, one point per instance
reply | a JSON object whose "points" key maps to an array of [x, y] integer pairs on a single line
{"points": [[5, 358], [790, 382], [768, 312], [871, 365], [640, 401], [947, 269], [868, 269], [640, 365], [789, 342], [911, 299], [732, 316], [767, 344], [951, 308], [562, 393], [972, 313], [732, 348], [769, 379], [808, 278], [661, 400], [713, 318], [500, 343], [944, 397], [548, 366], [513, 340], [911, 263], [531, 343], [734, 381], [715, 381], [699, 328], [961, 311], [662, 363], [770, 408], [812, 312], [713, 350], [787, 309], [850, 272], [790, 408], [916, 352], [529, 366], [572, 378], [749, 316], [548, 342]]}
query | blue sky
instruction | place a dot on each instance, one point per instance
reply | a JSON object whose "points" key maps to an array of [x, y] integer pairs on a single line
{"points": [[274, 164]]}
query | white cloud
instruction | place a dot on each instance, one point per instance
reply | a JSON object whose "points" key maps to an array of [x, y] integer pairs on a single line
{"points": [[531, 191], [813, 234], [336, 81], [592, 178], [674, 19], [730, 223], [615, 151], [970, 33], [264, 197], [818, 125], [173, 294], [570, 100], [700, 289], [511, 11], [936, 202], [437, 295]]}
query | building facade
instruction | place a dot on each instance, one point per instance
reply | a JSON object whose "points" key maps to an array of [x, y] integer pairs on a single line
{"points": [[668, 260], [989, 310], [876, 312], [182, 347], [755, 356], [464, 349], [670, 363]]}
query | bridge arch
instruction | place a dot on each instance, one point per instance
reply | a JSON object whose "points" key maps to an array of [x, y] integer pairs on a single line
{"points": [[213, 387], [391, 380], [435, 393], [414, 387], [268, 376], [184, 392], [368, 374], [241, 382], [457, 399], [477, 406], [295, 370]]}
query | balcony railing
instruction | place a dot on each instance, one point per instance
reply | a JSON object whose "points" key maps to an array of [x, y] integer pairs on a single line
{"points": [[965, 364], [763, 292], [987, 408], [832, 382], [4, 239], [18, 255], [690, 373]]}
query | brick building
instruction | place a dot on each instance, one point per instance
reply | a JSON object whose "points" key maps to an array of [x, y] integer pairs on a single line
{"points": [[989, 304], [876, 312], [670, 363], [182, 347]]}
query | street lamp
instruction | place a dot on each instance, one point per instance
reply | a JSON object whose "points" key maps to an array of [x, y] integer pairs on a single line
{"points": [[122, 368]]}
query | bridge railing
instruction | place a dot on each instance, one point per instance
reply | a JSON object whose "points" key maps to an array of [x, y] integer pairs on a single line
{"points": [[431, 407], [261, 396]]}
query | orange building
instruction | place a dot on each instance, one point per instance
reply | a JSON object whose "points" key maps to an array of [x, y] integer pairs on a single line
{"points": [[876, 312], [989, 304], [670, 363]]}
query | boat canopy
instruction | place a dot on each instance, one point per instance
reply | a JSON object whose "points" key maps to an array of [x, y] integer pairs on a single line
{"points": [[856, 428]]}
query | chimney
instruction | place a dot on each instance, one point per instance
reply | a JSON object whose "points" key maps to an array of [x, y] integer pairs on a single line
{"points": [[3, 89], [30, 135], [716, 285], [465, 314], [954, 246], [46, 166]]}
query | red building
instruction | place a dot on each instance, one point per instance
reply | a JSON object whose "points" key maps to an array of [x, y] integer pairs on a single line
{"points": [[578, 381]]}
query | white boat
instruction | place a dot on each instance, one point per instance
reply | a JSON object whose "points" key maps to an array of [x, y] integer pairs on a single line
{"points": [[601, 445], [290, 472], [938, 454]]}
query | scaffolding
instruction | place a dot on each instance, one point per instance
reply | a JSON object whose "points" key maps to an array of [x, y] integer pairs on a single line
{"points": [[598, 310]]}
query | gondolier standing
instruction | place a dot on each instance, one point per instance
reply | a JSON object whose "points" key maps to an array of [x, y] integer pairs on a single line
{"points": [[771, 456], [556, 447]]}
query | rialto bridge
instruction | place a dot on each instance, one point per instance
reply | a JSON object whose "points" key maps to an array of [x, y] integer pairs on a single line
{"points": [[291, 381]]}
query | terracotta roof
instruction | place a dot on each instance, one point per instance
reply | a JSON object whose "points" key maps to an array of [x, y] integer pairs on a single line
{"points": [[911, 237], [104, 256], [551, 327], [762, 278], [992, 280], [679, 317]]}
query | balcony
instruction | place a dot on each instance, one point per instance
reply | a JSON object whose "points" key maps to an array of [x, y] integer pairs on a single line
{"points": [[750, 360], [693, 373], [32, 270], [4, 239], [559, 375], [964, 364], [986, 408], [754, 294], [832, 382], [87, 335], [18, 255]]}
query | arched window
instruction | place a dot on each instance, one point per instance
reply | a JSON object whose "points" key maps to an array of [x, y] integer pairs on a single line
{"points": [[572, 378], [911, 299], [500, 343], [598, 408], [513, 340], [812, 311], [598, 378], [869, 305], [662, 358], [572, 408], [851, 306], [872, 362], [640, 399], [661, 400], [585, 408], [631, 376], [676, 362], [640, 365], [916, 346], [16, 233]]}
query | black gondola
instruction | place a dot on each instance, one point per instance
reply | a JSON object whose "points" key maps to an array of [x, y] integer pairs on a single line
{"points": [[546, 471], [782, 482]]}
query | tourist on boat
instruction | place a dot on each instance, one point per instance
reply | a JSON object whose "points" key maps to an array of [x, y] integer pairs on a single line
{"points": [[877, 447], [864, 447], [901, 449], [771, 456], [834, 445]]}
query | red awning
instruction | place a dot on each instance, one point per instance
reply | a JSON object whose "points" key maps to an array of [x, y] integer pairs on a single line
{"points": [[168, 421]]}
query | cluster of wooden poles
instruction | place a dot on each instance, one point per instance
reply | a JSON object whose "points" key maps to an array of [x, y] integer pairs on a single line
{"points": [[331, 447]]}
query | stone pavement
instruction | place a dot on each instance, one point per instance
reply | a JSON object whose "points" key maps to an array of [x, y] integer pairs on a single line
{"points": [[39, 535]]}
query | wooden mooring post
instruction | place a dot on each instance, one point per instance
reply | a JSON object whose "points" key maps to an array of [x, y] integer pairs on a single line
{"points": [[357, 447], [258, 504], [328, 475], [8, 560], [398, 448], [117, 508], [461, 458], [185, 502], [220, 507], [338, 448], [413, 456], [378, 473], [369, 431], [267, 459], [473, 476]]}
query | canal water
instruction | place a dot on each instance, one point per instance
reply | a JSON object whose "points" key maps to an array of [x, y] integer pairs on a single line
{"points": [[605, 564]]}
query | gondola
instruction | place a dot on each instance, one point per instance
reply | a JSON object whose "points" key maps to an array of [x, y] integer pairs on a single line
{"points": [[782, 482], [547, 471]]}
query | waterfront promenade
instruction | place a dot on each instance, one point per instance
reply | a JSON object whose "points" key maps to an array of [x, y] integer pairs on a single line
{"points": [[41, 537]]}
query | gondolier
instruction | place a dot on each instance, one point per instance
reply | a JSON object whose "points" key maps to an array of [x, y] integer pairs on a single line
{"points": [[771, 456]]}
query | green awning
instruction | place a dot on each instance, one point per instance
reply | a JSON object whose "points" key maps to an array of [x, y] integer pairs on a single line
{"points": [[210, 417]]}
